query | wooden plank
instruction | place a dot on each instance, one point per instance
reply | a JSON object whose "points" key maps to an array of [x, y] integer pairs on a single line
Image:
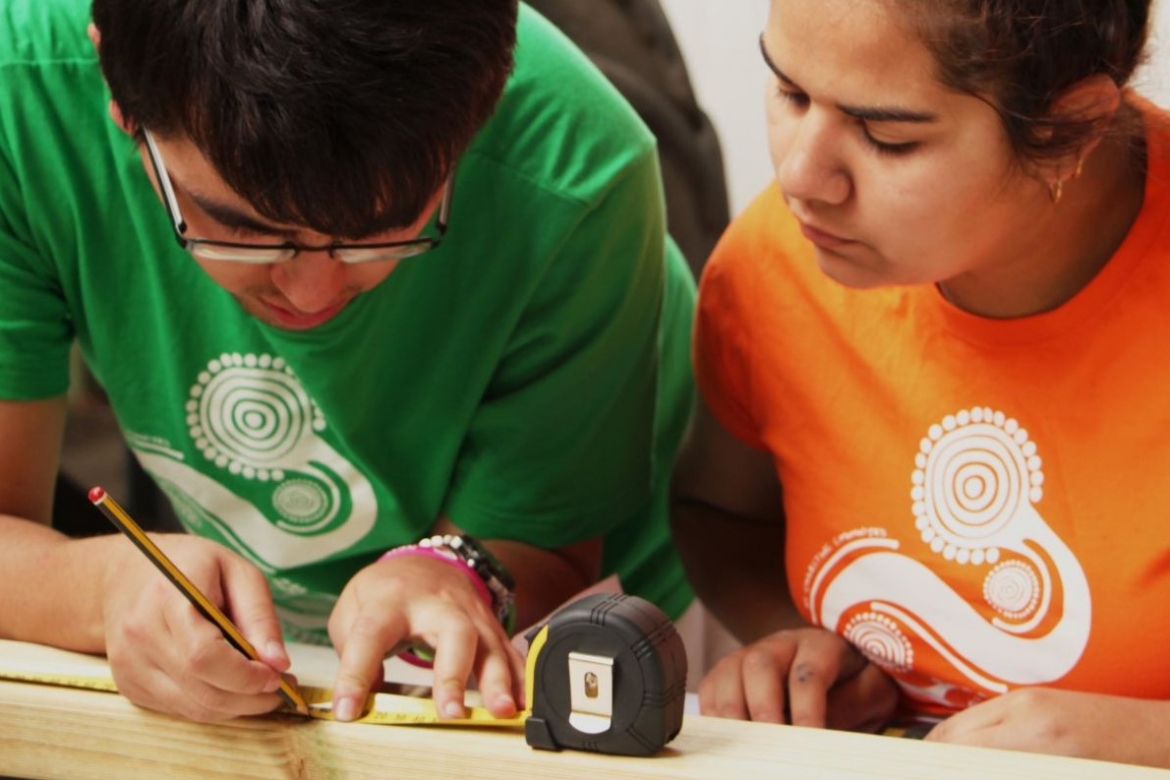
{"points": [[49, 733]]}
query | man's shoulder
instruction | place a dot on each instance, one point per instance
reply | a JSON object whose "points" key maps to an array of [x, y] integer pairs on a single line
{"points": [[43, 31], [560, 124]]}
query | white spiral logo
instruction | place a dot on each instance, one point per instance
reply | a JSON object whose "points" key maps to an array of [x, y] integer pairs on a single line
{"points": [[1013, 589], [303, 504], [247, 413], [975, 472], [881, 641]]}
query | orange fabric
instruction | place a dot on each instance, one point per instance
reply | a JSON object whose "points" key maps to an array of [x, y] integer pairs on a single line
{"points": [[978, 504]]}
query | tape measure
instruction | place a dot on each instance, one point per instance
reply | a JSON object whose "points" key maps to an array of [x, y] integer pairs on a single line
{"points": [[606, 674]]}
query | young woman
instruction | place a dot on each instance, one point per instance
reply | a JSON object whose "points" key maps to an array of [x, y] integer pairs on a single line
{"points": [[932, 363]]}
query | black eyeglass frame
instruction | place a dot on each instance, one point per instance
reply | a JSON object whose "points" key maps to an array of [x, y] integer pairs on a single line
{"points": [[287, 250]]}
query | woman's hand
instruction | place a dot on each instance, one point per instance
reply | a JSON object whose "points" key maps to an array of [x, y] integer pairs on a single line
{"points": [[419, 598], [806, 677], [166, 656], [1068, 723]]}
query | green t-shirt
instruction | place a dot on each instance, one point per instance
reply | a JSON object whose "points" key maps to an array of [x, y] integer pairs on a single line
{"points": [[529, 378]]}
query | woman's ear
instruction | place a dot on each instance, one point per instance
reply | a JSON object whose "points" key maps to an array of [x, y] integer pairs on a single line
{"points": [[1092, 102]]}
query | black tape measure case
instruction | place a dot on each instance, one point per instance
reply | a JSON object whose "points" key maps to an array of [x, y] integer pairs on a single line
{"points": [[610, 677]]}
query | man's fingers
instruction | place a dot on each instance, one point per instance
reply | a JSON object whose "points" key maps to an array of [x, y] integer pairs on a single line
{"points": [[362, 651], [455, 654], [196, 652], [168, 690], [519, 675], [249, 603], [496, 676]]}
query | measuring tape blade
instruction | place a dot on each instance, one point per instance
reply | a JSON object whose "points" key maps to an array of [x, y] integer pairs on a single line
{"points": [[103, 684], [391, 709], [383, 709]]}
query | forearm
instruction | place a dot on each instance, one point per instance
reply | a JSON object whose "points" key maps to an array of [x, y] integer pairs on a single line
{"points": [[1069, 723], [1141, 734], [51, 586], [545, 579], [736, 566]]}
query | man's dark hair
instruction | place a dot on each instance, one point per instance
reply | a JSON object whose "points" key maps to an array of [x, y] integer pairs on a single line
{"points": [[1021, 55], [343, 116]]}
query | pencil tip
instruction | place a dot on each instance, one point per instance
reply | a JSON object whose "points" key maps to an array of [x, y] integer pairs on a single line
{"points": [[96, 494]]}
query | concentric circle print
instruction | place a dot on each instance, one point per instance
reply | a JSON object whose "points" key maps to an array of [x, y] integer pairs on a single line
{"points": [[1013, 589], [880, 640], [303, 504], [976, 471], [247, 414]]}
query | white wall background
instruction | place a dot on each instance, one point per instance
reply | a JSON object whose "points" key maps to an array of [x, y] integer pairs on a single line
{"points": [[718, 39]]}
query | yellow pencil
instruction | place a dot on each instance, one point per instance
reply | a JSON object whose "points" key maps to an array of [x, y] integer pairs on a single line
{"points": [[117, 515]]}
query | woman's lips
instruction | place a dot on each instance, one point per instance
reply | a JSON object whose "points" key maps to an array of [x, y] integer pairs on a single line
{"points": [[821, 238]]}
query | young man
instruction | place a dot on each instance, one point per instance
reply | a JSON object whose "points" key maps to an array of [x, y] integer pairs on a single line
{"points": [[351, 278]]}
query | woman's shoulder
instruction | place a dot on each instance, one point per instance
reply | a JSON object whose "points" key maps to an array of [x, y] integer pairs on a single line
{"points": [[762, 251]]}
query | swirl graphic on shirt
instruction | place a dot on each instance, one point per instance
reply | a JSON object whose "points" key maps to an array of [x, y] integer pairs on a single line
{"points": [[1023, 616], [284, 497]]}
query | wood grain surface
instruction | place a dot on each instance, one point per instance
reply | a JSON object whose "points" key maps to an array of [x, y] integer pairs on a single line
{"points": [[54, 733]]}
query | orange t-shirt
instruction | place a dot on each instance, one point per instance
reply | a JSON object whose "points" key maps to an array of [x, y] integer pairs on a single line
{"points": [[977, 504]]}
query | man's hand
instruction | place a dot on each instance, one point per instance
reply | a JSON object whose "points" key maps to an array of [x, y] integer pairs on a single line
{"points": [[420, 598], [165, 656], [1045, 720], [806, 677]]}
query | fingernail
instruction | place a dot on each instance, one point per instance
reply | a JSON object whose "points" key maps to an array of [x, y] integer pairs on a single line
{"points": [[345, 709], [453, 709], [272, 685], [276, 650]]}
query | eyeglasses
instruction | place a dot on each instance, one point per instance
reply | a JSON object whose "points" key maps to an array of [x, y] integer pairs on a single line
{"points": [[209, 249]]}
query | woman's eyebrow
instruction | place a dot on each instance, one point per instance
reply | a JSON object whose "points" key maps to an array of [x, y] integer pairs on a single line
{"points": [[867, 113]]}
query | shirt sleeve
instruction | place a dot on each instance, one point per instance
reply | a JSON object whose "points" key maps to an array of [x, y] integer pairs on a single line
{"points": [[35, 330], [722, 351], [561, 448]]}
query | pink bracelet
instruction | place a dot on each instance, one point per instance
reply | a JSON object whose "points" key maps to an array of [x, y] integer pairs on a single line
{"points": [[476, 581]]}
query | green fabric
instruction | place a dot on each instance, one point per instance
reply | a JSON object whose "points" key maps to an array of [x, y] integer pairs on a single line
{"points": [[516, 378]]}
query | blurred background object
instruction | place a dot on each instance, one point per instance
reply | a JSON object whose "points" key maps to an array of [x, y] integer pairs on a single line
{"points": [[632, 43]]}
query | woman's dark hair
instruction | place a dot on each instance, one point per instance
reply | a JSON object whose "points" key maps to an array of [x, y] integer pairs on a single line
{"points": [[1021, 55], [343, 116]]}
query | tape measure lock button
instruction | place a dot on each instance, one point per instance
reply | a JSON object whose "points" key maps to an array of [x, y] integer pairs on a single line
{"points": [[609, 677]]}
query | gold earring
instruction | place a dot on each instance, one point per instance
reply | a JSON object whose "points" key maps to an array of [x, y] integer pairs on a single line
{"points": [[1080, 167], [1056, 190]]}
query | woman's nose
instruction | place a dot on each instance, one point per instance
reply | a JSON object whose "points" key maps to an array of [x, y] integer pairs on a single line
{"points": [[811, 166]]}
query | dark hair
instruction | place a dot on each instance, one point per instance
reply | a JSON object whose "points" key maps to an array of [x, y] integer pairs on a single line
{"points": [[1021, 55], [344, 116]]}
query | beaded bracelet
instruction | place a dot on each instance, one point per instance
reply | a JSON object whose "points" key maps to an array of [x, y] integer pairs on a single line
{"points": [[419, 654]]}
